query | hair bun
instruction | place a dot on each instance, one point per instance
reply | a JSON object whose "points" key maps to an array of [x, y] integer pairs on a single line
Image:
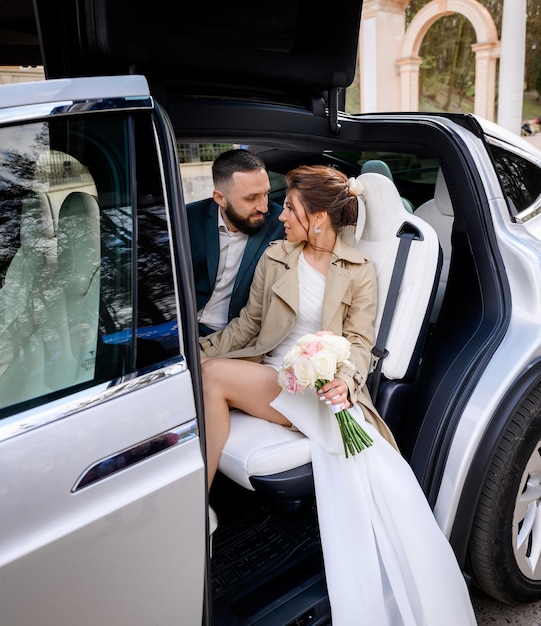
{"points": [[355, 187]]}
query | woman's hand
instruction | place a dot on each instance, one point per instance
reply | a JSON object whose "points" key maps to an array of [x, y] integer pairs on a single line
{"points": [[335, 392]]}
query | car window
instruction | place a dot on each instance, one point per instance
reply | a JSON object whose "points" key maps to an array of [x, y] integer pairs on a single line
{"points": [[195, 168], [413, 174], [86, 289], [520, 179], [196, 171]]}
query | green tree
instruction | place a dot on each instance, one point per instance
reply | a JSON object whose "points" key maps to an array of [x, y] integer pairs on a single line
{"points": [[538, 83]]}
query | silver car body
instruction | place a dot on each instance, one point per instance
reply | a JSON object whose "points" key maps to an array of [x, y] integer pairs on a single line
{"points": [[145, 521]]}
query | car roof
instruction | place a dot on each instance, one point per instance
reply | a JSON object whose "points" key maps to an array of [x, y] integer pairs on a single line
{"points": [[289, 51]]}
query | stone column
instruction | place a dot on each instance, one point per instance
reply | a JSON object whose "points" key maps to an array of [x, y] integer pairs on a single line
{"points": [[408, 69], [511, 79], [382, 30], [485, 78]]}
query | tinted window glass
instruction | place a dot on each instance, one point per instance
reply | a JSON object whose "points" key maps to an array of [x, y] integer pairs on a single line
{"points": [[85, 258], [520, 179]]}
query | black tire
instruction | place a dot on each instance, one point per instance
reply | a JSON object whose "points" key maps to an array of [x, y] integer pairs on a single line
{"points": [[505, 544]]}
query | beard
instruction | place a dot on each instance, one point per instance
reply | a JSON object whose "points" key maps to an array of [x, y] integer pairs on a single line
{"points": [[245, 225]]}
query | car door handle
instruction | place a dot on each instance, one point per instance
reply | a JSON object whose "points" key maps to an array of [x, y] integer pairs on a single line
{"points": [[137, 453]]}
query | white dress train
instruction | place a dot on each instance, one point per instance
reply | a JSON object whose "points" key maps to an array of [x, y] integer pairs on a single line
{"points": [[387, 563]]}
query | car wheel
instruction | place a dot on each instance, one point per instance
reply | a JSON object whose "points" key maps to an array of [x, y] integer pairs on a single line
{"points": [[505, 544]]}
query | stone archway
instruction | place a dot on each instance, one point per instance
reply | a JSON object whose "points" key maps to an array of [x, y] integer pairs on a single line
{"points": [[487, 51]]}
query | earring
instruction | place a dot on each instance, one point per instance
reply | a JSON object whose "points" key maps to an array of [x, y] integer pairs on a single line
{"points": [[316, 229]]}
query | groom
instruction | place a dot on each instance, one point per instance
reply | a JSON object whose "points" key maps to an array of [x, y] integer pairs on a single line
{"points": [[228, 234]]}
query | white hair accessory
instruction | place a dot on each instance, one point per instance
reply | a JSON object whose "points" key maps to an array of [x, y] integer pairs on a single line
{"points": [[356, 188]]}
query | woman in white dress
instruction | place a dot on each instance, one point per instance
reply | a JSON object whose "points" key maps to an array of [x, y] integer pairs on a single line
{"points": [[386, 560]]}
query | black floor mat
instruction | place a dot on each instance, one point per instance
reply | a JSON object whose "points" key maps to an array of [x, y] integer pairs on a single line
{"points": [[257, 539]]}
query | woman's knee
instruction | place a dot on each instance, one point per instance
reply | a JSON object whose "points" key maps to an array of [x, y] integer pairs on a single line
{"points": [[214, 371]]}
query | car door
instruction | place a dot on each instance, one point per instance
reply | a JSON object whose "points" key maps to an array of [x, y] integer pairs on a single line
{"points": [[102, 481]]}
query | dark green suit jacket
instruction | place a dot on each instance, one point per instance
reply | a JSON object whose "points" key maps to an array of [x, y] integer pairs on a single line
{"points": [[204, 241]]}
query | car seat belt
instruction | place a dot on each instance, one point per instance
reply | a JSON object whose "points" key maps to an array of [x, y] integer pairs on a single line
{"points": [[407, 233]]}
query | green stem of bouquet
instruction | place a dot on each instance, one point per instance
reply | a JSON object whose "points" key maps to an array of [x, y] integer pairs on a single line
{"points": [[354, 437]]}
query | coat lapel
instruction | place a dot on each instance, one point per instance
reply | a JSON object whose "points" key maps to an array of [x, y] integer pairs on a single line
{"points": [[212, 241], [251, 254], [286, 287], [336, 288], [249, 258]]}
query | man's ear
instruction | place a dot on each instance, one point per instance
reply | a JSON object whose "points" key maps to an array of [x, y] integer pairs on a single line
{"points": [[219, 198]]}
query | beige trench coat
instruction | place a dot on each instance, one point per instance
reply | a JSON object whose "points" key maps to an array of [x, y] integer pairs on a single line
{"points": [[349, 309]]}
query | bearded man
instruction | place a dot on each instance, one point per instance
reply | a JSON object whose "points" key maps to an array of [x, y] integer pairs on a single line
{"points": [[228, 234]]}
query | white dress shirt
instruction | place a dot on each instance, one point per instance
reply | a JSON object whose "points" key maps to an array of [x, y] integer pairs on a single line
{"points": [[232, 245]]}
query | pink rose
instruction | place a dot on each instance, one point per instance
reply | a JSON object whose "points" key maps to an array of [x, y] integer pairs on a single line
{"points": [[290, 381], [311, 348]]}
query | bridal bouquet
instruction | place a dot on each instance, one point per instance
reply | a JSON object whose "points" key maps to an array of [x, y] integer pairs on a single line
{"points": [[313, 361]]}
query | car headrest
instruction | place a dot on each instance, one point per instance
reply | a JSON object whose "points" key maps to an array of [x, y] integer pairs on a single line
{"points": [[384, 208], [377, 167], [442, 199], [78, 241]]}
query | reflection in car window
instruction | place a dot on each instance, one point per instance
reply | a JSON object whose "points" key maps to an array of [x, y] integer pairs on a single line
{"points": [[520, 179], [74, 243]]}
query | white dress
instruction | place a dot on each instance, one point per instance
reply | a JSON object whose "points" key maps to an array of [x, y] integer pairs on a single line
{"points": [[310, 310], [387, 563]]}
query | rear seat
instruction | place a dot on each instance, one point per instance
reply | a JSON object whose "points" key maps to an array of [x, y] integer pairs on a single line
{"points": [[267, 457], [439, 213]]}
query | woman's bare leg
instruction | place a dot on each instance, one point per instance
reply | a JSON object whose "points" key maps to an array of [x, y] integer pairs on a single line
{"points": [[244, 385]]}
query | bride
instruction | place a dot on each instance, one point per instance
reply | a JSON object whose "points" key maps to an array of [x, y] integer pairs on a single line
{"points": [[386, 560]]}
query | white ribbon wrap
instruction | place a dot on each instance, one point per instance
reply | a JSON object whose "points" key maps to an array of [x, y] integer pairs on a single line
{"points": [[356, 188]]}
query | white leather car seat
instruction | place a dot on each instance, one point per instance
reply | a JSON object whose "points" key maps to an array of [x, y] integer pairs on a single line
{"points": [[35, 260], [51, 285], [79, 257], [22, 351], [439, 213], [268, 457]]}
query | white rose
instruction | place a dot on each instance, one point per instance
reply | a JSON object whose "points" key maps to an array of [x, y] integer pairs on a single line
{"points": [[291, 356], [309, 338], [324, 364], [338, 345], [304, 372]]}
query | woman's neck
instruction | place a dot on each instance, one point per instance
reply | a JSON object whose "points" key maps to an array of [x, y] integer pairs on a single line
{"points": [[319, 253]]}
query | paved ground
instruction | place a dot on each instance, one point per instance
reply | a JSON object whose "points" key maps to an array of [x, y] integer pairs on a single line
{"points": [[492, 613], [488, 611], [536, 140]]}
